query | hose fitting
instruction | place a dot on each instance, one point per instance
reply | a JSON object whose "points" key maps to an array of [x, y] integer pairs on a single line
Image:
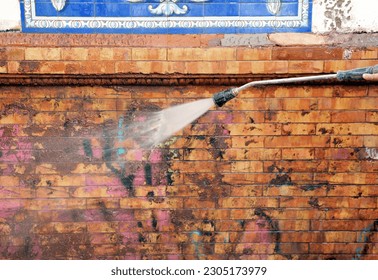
{"points": [[223, 97]]}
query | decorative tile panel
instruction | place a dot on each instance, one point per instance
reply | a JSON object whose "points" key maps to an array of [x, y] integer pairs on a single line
{"points": [[166, 16]]}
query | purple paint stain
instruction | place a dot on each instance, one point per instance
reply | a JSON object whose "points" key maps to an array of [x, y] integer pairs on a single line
{"points": [[342, 154]]}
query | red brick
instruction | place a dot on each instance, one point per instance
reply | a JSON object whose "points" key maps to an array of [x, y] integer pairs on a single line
{"points": [[148, 54], [296, 141], [253, 54], [348, 117], [306, 53], [42, 54]]}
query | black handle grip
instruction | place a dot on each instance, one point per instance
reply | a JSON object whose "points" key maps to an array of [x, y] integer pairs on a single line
{"points": [[356, 74]]}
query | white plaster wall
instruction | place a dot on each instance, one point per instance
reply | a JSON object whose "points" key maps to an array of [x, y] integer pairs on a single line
{"points": [[343, 16], [10, 17]]}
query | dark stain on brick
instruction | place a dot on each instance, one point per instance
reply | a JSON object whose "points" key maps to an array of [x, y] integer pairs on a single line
{"points": [[127, 182], [323, 130], [18, 107], [28, 248], [242, 224], [170, 180], [108, 214], [314, 202], [150, 195], [337, 141], [304, 113], [249, 142], [87, 148], [148, 173], [76, 215], [312, 187], [218, 143], [28, 66], [141, 238], [282, 178], [269, 115], [154, 223]]}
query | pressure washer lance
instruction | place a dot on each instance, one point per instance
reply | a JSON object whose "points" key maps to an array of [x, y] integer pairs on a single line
{"points": [[222, 97]]}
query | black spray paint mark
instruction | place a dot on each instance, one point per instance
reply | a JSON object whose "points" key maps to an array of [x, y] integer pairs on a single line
{"points": [[282, 178], [154, 223], [141, 238], [87, 148], [314, 202], [148, 174], [170, 180], [312, 187]]}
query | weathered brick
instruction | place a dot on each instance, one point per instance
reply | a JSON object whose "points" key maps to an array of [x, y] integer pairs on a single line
{"points": [[200, 54], [158, 203], [347, 129], [148, 54], [75, 54], [253, 54], [247, 202], [296, 141], [306, 53], [300, 117], [254, 129], [311, 66], [348, 117], [42, 53]]}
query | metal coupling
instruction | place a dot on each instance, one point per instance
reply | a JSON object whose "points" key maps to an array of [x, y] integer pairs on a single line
{"points": [[223, 97]]}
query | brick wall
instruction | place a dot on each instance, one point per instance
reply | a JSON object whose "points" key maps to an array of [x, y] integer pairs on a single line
{"points": [[280, 172]]}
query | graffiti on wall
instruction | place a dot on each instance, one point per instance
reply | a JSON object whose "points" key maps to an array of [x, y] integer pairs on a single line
{"points": [[83, 190]]}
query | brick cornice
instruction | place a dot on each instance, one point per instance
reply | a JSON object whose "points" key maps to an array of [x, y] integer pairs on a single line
{"points": [[145, 80]]}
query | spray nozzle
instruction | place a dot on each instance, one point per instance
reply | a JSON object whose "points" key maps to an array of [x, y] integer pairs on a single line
{"points": [[223, 97]]}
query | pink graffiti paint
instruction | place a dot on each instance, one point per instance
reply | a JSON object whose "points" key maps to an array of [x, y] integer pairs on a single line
{"points": [[155, 156], [139, 178], [117, 191], [103, 181], [173, 257], [97, 153], [163, 218], [138, 155]]}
